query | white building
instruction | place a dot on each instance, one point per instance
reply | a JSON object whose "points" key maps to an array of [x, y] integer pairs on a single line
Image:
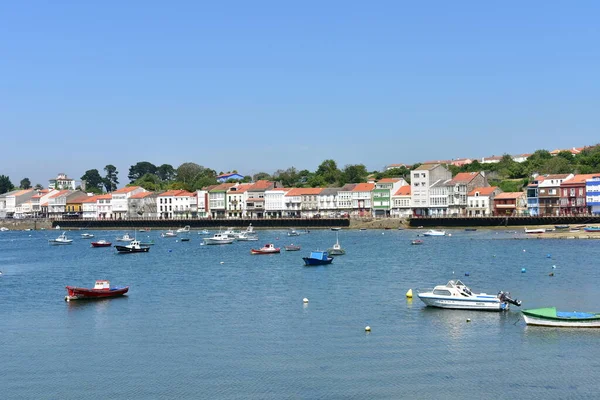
{"points": [[422, 179], [328, 202], [235, 199], [11, 200], [481, 200], [275, 202], [362, 204], [119, 201], [62, 182], [175, 204], [401, 203], [89, 208], [202, 203], [104, 206]]}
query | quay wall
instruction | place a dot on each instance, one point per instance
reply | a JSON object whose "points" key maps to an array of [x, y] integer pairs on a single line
{"points": [[501, 221], [203, 223]]}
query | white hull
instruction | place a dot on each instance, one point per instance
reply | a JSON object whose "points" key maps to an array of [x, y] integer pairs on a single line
{"points": [[59, 242], [562, 324], [218, 241], [466, 304]]}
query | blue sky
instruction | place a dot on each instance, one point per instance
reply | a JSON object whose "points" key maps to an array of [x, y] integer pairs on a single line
{"points": [[257, 86]]}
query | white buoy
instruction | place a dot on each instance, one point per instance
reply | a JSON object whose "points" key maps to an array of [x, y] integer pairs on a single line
{"points": [[468, 319], [449, 234], [305, 300], [553, 267], [524, 250], [222, 262], [367, 328]]}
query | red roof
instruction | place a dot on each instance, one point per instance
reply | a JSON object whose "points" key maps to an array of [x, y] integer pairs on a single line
{"points": [[463, 177], [177, 193], [104, 197], [389, 180], [126, 189], [579, 179], [241, 188], [483, 191], [59, 193], [509, 195], [90, 199], [403, 191], [364, 187], [141, 195], [261, 185], [303, 191]]}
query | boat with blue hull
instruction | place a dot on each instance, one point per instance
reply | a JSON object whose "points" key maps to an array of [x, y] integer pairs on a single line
{"points": [[318, 258]]}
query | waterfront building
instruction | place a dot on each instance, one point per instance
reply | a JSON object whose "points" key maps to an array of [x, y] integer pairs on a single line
{"points": [[438, 198], [11, 200], [236, 197], [104, 206], [422, 179], [510, 204], [310, 203], [573, 195], [217, 199], [533, 201], [255, 201], [344, 198], [89, 207], [549, 194], [175, 204], [202, 203], [143, 205], [459, 188], [381, 195], [74, 207], [37, 200], [401, 203], [362, 205], [293, 203], [62, 182], [57, 202], [228, 176], [327, 200], [275, 202], [480, 201], [592, 199], [119, 201]]}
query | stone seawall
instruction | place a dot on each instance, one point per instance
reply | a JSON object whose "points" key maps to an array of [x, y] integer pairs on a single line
{"points": [[22, 224]]}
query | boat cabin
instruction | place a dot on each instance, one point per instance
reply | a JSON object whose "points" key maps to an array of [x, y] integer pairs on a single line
{"points": [[319, 255], [102, 285], [452, 288]]}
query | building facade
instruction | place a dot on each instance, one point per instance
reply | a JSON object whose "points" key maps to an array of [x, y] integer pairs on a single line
{"points": [[422, 179], [592, 199]]}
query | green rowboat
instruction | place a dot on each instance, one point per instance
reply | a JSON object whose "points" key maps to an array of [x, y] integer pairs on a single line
{"points": [[567, 319]]}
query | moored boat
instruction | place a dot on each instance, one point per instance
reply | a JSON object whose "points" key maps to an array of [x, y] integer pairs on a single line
{"points": [[101, 243], [247, 237], [169, 234], [292, 232], [317, 258], [61, 239], [291, 247], [87, 235], [416, 242], [219, 238], [125, 238], [185, 229], [268, 248], [470, 229], [101, 290], [456, 295], [336, 249], [592, 229], [535, 231], [133, 247], [433, 232], [549, 316], [561, 226]]}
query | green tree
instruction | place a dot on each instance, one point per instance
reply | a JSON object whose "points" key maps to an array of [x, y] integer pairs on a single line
{"points": [[93, 181], [111, 179], [557, 165], [288, 177], [261, 176], [38, 186], [149, 182], [25, 183], [354, 173], [535, 162], [329, 172], [166, 172], [5, 184], [140, 169]]}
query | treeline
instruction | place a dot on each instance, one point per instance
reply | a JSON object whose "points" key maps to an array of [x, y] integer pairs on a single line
{"points": [[507, 174]]}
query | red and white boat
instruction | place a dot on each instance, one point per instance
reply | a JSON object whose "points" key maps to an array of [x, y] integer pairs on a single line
{"points": [[101, 290], [268, 248], [101, 243]]}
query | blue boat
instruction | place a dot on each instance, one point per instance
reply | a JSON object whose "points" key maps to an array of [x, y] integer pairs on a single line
{"points": [[592, 229], [317, 258]]}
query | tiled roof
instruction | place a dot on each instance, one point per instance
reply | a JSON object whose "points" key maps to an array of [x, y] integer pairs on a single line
{"points": [[223, 187], [389, 180], [104, 197], [579, 179], [463, 177], [364, 187], [303, 191], [509, 195], [348, 187], [141, 195], [557, 176], [90, 199], [483, 191], [78, 199], [426, 166], [126, 189], [176, 193], [403, 191], [59, 193], [241, 188], [22, 192], [261, 185]]}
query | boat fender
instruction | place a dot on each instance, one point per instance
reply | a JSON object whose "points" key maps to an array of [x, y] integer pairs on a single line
{"points": [[523, 270], [305, 300]]}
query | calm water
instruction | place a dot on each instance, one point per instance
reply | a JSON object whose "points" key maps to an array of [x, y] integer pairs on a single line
{"points": [[216, 322]]}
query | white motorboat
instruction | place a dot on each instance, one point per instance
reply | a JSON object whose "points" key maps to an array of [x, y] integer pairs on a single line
{"points": [[204, 232], [231, 232], [87, 235], [169, 234], [535, 231], [433, 232], [247, 237], [293, 232], [457, 295], [125, 238], [4, 229], [61, 239], [185, 229], [219, 238]]}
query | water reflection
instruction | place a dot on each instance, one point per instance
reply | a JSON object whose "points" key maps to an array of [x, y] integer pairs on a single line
{"points": [[98, 305]]}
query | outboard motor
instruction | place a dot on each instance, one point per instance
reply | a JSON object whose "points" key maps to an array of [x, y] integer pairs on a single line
{"points": [[505, 296]]}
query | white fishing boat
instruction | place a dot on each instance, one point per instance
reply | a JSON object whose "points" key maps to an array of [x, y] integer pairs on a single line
{"points": [[292, 232], [336, 249], [457, 295], [61, 239], [204, 232], [433, 232], [169, 234], [185, 229], [231, 232], [87, 235], [247, 237], [219, 238], [125, 238], [4, 229]]}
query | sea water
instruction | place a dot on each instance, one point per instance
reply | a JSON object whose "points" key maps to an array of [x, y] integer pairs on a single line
{"points": [[217, 322]]}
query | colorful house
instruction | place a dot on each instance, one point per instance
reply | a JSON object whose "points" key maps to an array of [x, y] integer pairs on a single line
{"points": [[592, 199], [382, 195], [533, 201], [573, 195], [401, 204], [459, 188], [510, 204], [225, 177], [549, 193], [480, 201], [361, 199]]}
